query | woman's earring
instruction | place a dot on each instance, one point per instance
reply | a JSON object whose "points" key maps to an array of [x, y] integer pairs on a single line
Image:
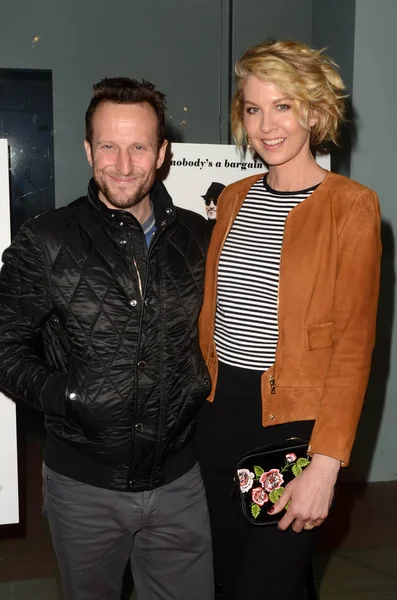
{"points": [[249, 145]]}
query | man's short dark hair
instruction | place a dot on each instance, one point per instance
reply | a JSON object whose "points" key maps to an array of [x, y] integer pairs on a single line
{"points": [[122, 90]]}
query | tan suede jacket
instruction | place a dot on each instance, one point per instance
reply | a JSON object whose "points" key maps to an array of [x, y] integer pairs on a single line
{"points": [[328, 294]]}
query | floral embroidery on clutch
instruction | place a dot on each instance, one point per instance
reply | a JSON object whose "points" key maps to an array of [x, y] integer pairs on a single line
{"points": [[271, 482]]}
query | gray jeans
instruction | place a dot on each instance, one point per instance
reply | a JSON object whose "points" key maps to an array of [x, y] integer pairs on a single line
{"points": [[165, 533]]}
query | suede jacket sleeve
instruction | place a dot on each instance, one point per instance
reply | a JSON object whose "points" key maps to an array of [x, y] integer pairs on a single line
{"points": [[355, 307]]}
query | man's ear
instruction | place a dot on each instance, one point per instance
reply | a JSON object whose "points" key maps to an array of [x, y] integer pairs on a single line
{"points": [[161, 156], [88, 151]]}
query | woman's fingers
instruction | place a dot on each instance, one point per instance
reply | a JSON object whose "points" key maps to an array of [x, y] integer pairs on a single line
{"points": [[307, 499]]}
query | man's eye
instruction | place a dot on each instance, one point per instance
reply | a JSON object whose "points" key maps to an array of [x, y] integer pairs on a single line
{"points": [[107, 146]]}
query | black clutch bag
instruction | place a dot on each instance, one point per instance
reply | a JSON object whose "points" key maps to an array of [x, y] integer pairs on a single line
{"points": [[262, 475]]}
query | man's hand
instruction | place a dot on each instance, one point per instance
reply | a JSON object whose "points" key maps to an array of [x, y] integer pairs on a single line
{"points": [[309, 495]]}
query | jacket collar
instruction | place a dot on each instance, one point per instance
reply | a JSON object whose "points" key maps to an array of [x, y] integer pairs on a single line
{"points": [[164, 209], [243, 186]]}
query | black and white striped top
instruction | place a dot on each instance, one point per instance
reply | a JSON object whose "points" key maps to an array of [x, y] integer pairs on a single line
{"points": [[246, 327]]}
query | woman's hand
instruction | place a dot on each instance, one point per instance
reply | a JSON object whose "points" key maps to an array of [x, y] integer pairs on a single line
{"points": [[310, 495]]}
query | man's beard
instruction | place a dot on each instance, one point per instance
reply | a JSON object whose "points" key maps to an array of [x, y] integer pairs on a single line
{"points": [[125, 202]]}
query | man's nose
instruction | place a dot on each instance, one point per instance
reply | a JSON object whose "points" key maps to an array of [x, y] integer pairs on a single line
{"points": [[124, 162]]}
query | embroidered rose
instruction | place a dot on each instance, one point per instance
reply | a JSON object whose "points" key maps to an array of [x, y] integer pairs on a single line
{"points": [[246, 479], [259, 496], [271, 480], [290, 458]]}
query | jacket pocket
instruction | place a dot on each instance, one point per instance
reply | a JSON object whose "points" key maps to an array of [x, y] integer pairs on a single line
{"points": [[319, 335], [53, 395]]}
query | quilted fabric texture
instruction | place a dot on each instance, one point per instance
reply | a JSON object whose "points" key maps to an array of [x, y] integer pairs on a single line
{"points": [[101, 334]]}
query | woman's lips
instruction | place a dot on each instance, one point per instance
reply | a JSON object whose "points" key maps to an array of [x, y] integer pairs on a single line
{"points": [[273, 144]]}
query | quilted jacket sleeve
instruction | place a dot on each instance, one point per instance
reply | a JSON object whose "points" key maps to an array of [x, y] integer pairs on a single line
{"points": [[356, 299], [25, 306]]}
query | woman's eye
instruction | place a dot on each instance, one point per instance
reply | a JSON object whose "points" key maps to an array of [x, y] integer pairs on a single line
{"points": [[251, 110], [283, 107]]}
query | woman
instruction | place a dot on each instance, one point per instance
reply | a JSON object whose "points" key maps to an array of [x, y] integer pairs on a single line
{"points": [[288, 322]]}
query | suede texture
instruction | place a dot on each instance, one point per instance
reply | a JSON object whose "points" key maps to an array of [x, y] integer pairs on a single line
{"points": [[328, 295]]}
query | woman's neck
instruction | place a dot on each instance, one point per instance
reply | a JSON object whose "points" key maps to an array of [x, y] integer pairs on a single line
{"points": [[289, 177]]}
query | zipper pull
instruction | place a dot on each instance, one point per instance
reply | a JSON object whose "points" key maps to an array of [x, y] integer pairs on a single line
{"points": [[272, 384]]}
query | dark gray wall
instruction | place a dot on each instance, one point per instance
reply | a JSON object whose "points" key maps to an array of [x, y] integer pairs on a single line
{"points": [[186, 48], [373, 163], [333, 28], [175, 44], [256, 20]]}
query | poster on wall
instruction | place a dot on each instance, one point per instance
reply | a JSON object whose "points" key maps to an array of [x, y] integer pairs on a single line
{"points": [[9, 506], [199, 172]]}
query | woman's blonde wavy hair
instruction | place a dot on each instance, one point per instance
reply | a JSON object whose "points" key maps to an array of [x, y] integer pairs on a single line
{"points": [[306, 75]]}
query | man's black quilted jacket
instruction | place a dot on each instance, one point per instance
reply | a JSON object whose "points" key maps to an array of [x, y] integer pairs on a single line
{"points": [[101, 335]]}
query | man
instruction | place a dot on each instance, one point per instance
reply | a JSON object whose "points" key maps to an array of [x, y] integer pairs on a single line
{"points": [[211, 199], [99, 303]]}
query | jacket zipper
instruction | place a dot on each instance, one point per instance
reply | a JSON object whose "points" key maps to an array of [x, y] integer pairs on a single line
{"points": [[143, 296], [272, 384]]}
